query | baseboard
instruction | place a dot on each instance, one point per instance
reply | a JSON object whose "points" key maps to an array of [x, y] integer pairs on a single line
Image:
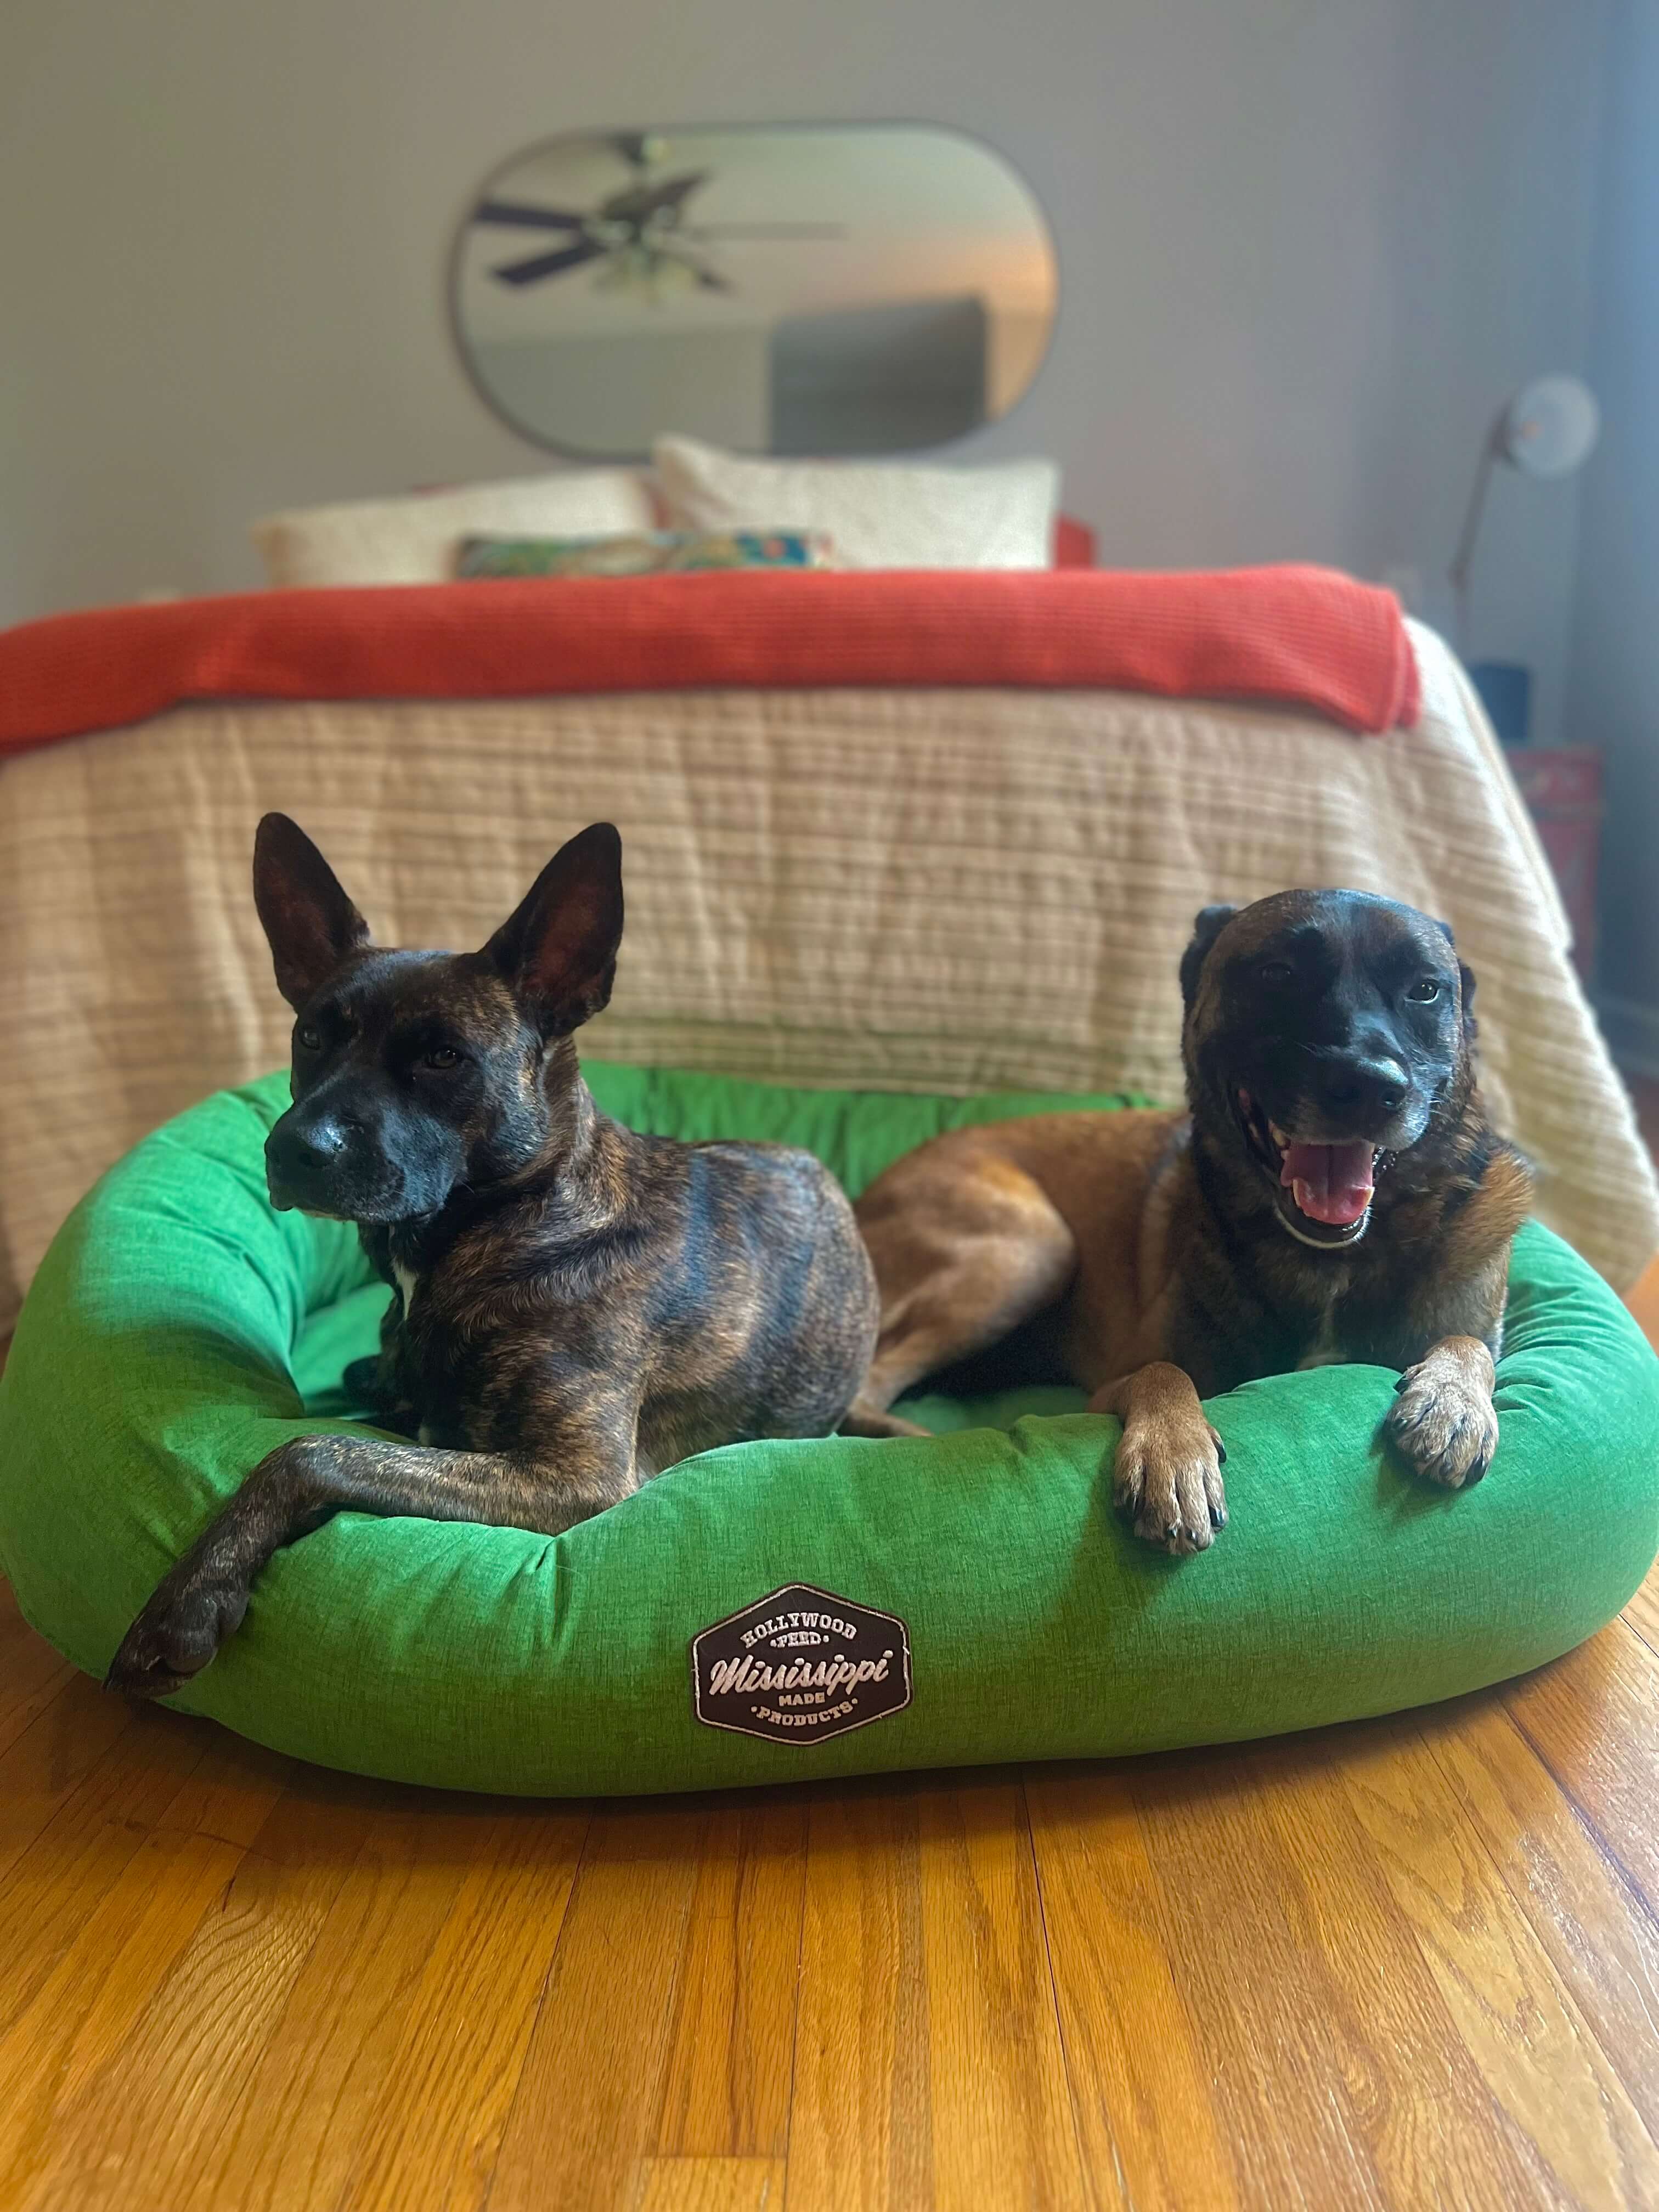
{"points": [[1631, 1030]]}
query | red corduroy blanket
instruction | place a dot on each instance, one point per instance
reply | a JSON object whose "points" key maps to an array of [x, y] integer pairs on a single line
{"points": [[1298, 636]]}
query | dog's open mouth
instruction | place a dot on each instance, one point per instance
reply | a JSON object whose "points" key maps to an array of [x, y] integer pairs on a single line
{"points": [[1322, 1192]]}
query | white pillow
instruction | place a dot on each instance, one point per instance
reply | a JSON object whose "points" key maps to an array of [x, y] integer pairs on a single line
{"points": [[880, 514], [416, 540]]}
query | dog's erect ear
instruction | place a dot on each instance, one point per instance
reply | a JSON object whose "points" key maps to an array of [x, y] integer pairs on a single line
{"points": [[559, 950], [1207, 926], [310, 922]]}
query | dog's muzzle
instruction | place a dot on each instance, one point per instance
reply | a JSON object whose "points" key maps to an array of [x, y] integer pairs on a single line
{"points": [[317, 1166], [1322, 1190]]}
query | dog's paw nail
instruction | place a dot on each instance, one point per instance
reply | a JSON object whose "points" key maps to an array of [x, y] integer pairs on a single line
{"points": [[1218, 1517], [1220, 1453], [1172, 1531]]}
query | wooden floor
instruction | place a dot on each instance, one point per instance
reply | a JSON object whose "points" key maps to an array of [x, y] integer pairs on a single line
{"points": [[1412, 1964]]}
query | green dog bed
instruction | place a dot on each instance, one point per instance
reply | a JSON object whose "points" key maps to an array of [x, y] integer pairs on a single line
{"points": [[772, 1612]]}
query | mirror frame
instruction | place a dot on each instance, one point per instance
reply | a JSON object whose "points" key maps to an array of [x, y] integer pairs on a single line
{"points": [[593, 458]]}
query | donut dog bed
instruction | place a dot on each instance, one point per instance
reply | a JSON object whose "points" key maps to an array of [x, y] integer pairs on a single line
{"points": [[776, 1611]]}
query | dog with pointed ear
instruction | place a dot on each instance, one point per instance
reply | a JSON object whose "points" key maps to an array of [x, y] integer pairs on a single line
{"points": [[576, 1306], [416, 1072]]}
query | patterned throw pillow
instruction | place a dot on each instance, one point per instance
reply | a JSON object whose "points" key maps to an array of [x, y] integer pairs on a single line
{"points": [[648, 553]]}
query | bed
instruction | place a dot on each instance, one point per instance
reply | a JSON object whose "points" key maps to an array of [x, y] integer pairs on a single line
{"points": [[926, 834]]}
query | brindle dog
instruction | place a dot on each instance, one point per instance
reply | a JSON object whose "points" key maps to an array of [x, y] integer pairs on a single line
{"points": [[1335, 1193], [579, 1306]]}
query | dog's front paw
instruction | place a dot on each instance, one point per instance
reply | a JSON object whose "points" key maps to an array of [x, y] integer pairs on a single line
{"points": [[1168, 1475], [1446, 1430], [177, 1633]]}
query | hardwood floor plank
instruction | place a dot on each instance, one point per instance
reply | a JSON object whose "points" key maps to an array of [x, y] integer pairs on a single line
{"points": [[1643, 1611], [1290, 2059], [101, 1983], [1603, 1940], [30, 1678], [1593, 1719], [437, 2130], [710, 2185], [1004, 2131], [1418, 2093], [156, 2113], [48, 1768], [313, 2092], [1564, 2108], [83, 1846], [233, 1790], [1140, 2088], [861, 2138], [142, 1913], [589, 2093], [31, 1672], [731, 2060]]}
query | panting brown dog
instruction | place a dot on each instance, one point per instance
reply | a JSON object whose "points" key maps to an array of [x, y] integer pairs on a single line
{"points": [[579, 1306], [1333, 1192]]}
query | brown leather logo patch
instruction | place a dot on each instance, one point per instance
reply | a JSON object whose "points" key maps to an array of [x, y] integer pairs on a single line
{"points": [[799, 1665]]}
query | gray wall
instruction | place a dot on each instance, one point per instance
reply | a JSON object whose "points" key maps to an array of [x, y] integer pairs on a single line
{"points": [[1614, 691], [1306, 246]]}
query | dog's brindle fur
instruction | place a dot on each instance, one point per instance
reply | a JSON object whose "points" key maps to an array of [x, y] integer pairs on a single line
{"points": [[1160, 1247], [579, 1306]]}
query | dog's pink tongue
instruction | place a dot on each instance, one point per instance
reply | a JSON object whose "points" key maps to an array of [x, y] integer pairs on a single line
{"points": [[1331, 1183]]}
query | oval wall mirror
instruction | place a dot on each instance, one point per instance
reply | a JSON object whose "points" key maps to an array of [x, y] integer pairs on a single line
{"points": [[811, 289]]}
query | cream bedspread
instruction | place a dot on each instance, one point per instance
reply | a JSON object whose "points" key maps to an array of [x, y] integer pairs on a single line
{"points": [[942, 891]]}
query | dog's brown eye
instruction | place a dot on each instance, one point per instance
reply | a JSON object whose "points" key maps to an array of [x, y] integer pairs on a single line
{"points": [[440, 1057], [1275, 971], [309, 1040], [1423, 992]]}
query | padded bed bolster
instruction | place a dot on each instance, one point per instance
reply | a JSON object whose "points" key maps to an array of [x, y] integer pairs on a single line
{"points": [[776, 1611]]}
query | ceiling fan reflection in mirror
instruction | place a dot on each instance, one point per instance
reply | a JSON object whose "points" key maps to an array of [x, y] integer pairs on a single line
{"points": [[817, 288], [639, 232]]}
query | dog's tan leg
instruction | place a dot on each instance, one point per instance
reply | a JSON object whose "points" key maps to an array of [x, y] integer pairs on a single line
{"points": [[1443, 1421], [200, 1603], [1167, 1470], [963, 1253]]}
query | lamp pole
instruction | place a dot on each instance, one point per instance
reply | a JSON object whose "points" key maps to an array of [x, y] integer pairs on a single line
{"points": [[1463, 559]]}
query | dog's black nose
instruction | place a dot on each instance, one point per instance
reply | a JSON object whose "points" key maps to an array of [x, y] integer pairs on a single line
{"points": [[301, 1149], [1359, 1084]]}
